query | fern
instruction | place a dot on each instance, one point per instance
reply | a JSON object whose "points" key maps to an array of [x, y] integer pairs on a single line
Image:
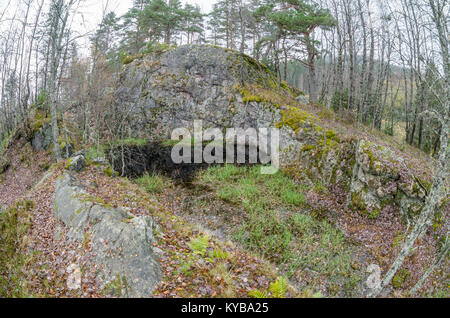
{"points": [[199, 244], [258, 294], [220, 255], [279, 287]]}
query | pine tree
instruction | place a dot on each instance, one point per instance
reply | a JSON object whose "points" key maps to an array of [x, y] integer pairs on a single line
{"points": [[299, 19]]}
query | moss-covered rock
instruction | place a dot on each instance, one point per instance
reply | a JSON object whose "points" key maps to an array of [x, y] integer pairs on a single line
{"points": [[382, 179], [224, 88]]}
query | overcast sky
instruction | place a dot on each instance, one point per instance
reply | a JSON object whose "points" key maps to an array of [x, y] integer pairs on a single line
{"points": [[90, 13], [93, 8]]}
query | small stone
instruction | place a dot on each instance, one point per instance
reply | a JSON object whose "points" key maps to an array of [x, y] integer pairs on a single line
{"points": [[380, 192], [74, 279], [77, 163]]}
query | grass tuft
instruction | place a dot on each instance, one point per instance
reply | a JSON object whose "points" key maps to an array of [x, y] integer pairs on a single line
{"points": [[152, 183]]}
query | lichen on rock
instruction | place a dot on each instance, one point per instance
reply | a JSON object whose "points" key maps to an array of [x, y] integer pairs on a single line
{"points": [[160, 93], [381, 178], [122, 244]]}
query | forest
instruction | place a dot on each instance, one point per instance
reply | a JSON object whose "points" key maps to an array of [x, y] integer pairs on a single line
{"points": [[377, 63], [372, 72]]}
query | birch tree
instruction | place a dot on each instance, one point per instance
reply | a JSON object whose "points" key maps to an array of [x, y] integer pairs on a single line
{"points": [[438, 192]]}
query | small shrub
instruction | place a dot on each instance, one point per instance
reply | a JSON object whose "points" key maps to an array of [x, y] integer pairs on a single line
{"points": [[220, 255], [400, 278], [42, 100], [95, 152]]}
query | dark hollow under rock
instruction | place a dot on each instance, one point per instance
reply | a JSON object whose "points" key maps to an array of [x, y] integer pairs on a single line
{"points": [[133, 161]]}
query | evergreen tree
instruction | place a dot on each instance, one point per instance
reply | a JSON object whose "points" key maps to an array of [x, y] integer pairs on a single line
{"points": [[299, 19], [104, 37], [193, 23]]}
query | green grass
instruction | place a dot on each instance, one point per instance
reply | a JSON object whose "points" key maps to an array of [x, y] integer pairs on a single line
{"points": [[220, 173], [14, 224], [245, 184], [279, 226], [152, 183]]}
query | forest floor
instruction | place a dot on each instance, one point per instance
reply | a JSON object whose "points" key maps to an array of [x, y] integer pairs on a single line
{"points": [[232, 232]]}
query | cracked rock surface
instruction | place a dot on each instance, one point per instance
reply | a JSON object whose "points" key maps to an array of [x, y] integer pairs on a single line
{"points": [[122, 245]]}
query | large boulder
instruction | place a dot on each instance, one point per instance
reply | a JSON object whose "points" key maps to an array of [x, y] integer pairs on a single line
{"points": [[122, 244], [162, 92]]}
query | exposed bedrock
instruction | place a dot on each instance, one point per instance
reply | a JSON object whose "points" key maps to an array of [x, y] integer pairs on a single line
{"points": [[122, 244]]}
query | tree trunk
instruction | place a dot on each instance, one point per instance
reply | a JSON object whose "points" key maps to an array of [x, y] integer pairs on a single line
{"points": [[311, 67]]}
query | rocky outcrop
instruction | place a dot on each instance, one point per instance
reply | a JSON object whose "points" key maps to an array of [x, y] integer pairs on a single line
{"points": [[4, 164], [122, 244], [42, 138], [224, 88], [380, 178], [162, 92], [374, 177], [76, 163]]}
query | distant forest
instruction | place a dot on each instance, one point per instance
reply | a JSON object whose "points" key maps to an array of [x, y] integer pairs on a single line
{"points": [[380, 63]]}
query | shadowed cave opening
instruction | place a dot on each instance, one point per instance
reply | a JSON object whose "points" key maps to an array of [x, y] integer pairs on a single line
{"points": [[133, 161]]}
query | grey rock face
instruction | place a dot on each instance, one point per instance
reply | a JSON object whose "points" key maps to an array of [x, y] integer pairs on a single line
{"points": [[194, 82], [4, 164], [380, 178], [42, 138], [122, 244], [77, 163]]}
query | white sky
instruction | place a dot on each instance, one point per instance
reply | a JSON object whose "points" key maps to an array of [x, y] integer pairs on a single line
{"points": [[93, 9], [90, 13]]}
